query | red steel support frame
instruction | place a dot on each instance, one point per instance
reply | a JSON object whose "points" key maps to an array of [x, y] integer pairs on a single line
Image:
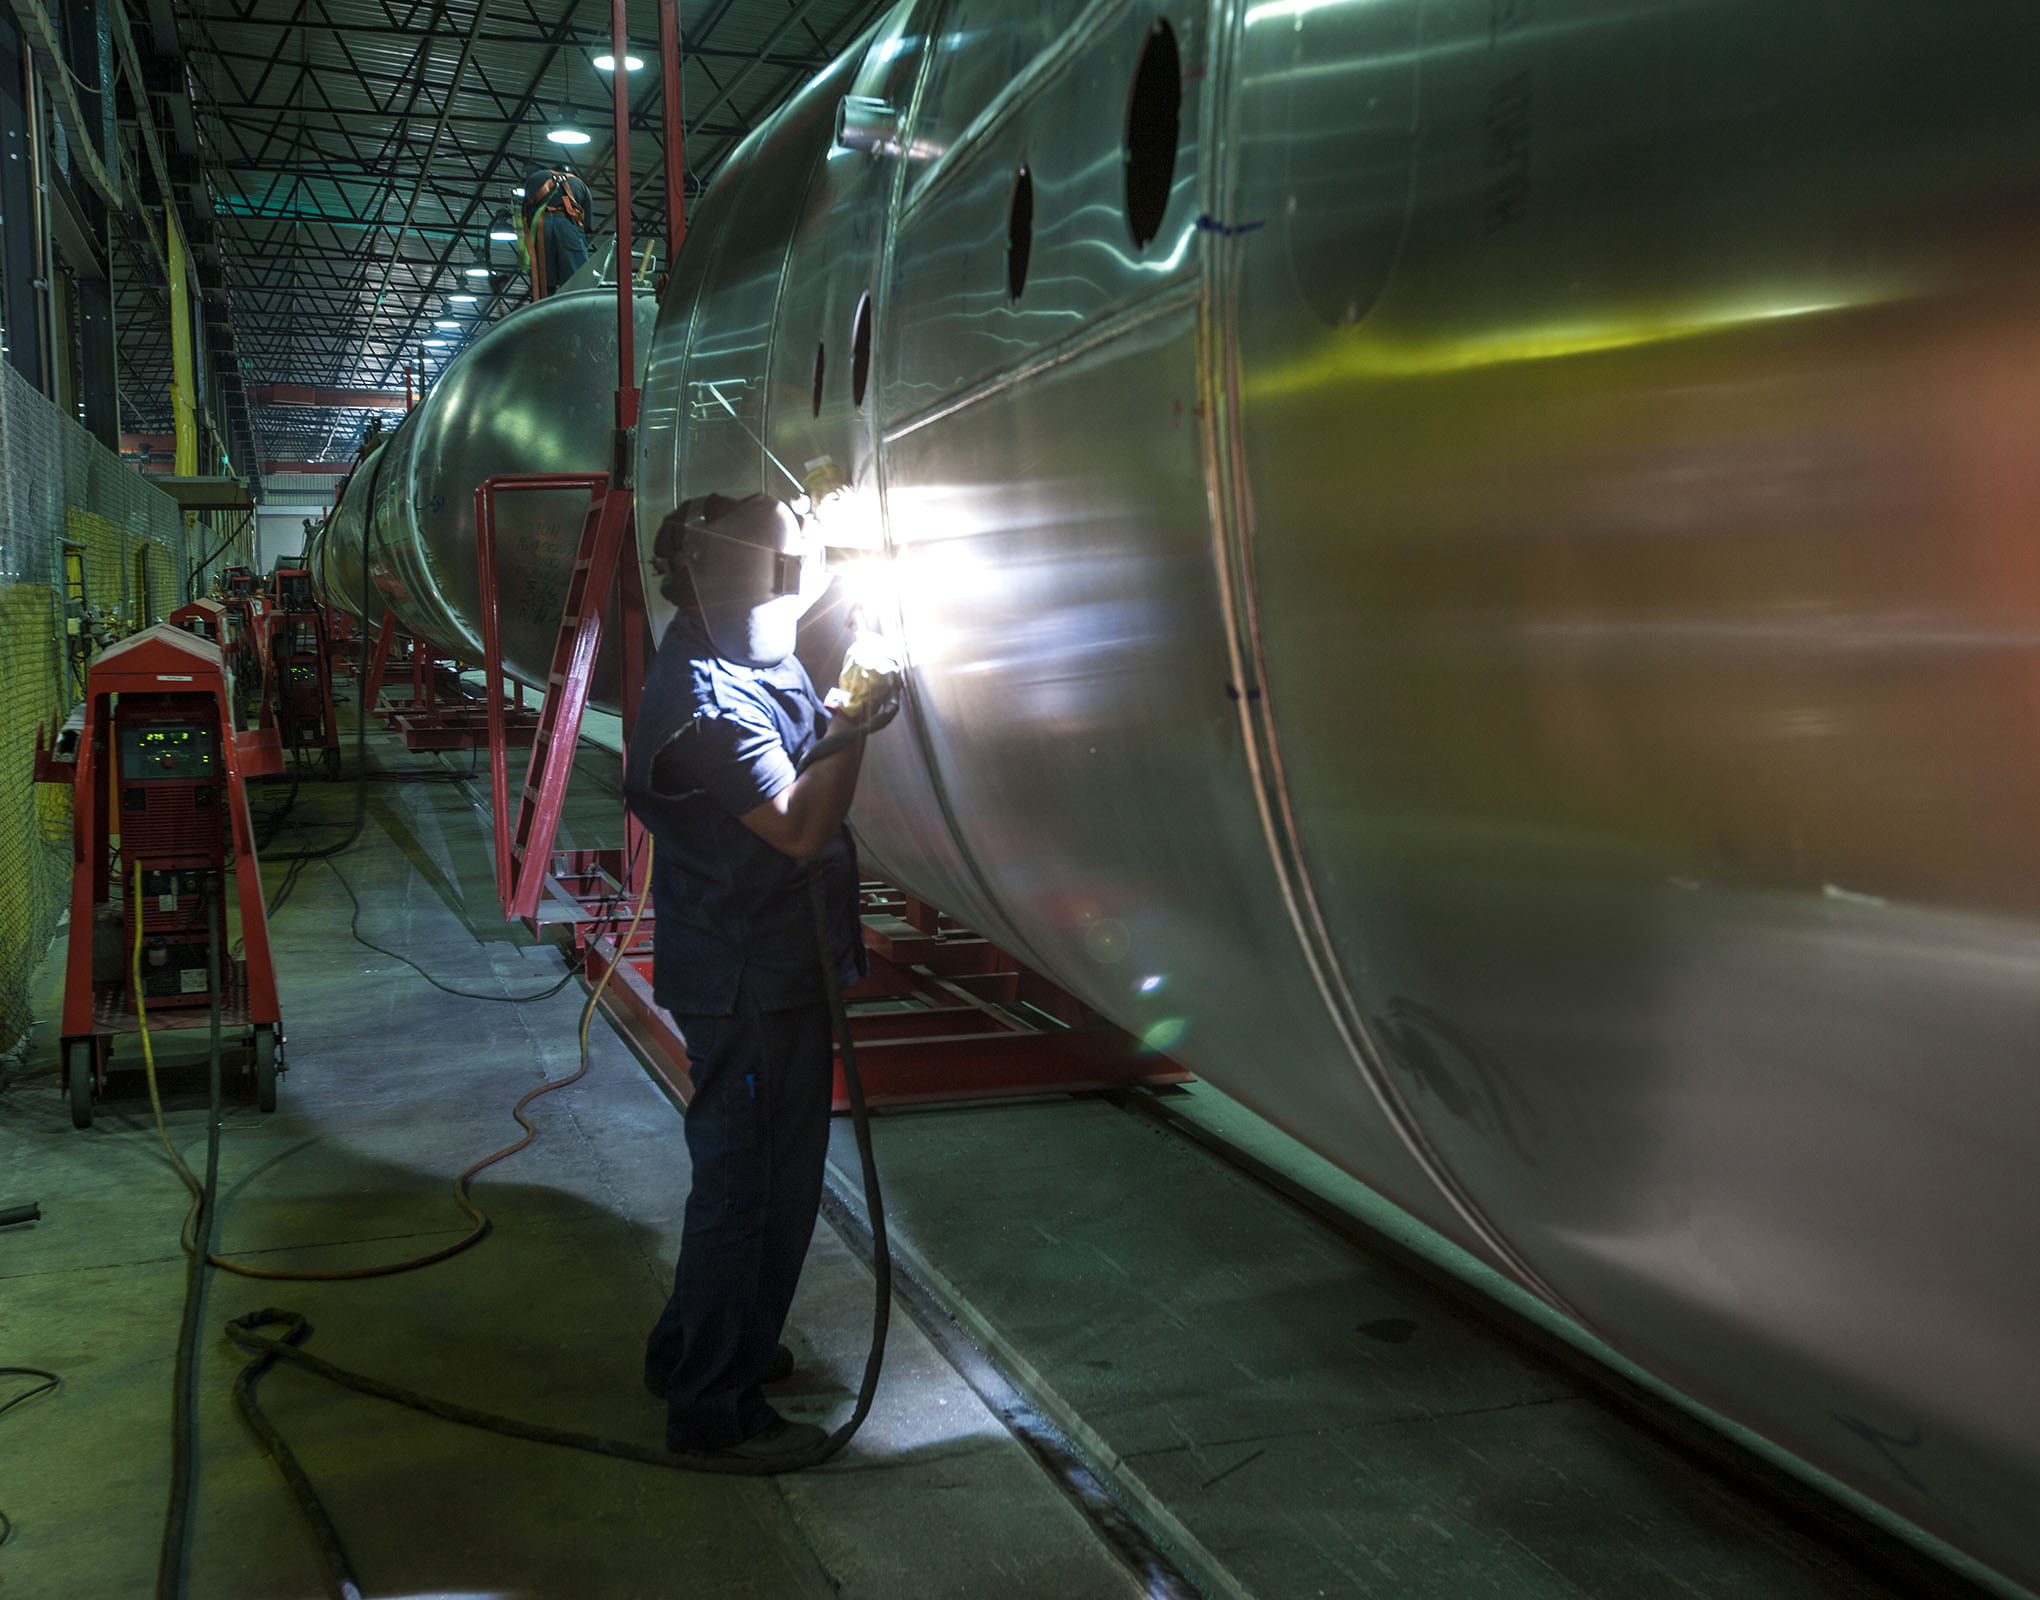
{"points": [[961, 1021], [608, 553]]}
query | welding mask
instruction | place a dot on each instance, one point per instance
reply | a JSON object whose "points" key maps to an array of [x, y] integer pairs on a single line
{"points": [[757, 570]]}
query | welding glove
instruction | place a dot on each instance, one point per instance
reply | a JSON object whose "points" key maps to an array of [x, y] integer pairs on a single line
{"points": [[868, 691], [822, 478]]}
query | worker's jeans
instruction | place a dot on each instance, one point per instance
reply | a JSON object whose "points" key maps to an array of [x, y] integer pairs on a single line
{"points": [[758, 1133]]}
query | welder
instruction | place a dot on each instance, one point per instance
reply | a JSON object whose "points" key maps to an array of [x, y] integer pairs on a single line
{"points": [[745, 802], [555, 210]]}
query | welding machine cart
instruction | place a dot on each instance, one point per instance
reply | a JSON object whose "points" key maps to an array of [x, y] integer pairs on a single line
{"points": [[205, 617], [159, 764], [297, 677]]}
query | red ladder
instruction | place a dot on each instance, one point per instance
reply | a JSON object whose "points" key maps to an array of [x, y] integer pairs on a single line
{"points": [[607, 552]]}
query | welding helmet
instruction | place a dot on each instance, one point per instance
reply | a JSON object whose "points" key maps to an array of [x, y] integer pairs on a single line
{"points": [[756, 569]]}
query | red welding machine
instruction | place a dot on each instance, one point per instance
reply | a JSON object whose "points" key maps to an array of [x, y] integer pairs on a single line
{"points": [[158, 774]]}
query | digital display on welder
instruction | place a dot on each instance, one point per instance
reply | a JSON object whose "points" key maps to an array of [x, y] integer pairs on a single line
{"points": [[167, 750]]}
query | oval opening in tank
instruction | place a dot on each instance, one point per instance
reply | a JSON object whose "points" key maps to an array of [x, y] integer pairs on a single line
{"points": [[1019, 233], [860, 350], [1153, 125]]}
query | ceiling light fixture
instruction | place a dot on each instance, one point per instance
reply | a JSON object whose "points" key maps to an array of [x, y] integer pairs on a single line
{"points": [[481, 271], [568, 136], [607, 63], [518, 191], [503, 235], [464, 299], [429, 343], [444, 322]]}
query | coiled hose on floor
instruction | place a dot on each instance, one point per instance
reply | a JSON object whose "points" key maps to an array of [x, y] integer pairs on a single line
{"points": [[268, 1349]]}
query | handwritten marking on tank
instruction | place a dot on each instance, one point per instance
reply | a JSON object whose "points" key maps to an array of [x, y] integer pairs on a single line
{"points": [[1207, 223], [1507, 124], [1480, 1094], [1884, 1444], [1505, 17]]}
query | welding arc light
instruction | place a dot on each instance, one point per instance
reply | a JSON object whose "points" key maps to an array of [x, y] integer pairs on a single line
{"points": [[568, 136], [607, 63]]}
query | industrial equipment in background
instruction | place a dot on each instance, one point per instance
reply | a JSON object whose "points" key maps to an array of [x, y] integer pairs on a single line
{"points": [[158, 776], [240, 591], [297, 671], [205, 617]]}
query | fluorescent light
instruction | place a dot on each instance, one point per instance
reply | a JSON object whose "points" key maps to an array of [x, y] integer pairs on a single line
{"points": [[445, 322], [504, 235], [568, 136], [607, 63], [464, 299]]}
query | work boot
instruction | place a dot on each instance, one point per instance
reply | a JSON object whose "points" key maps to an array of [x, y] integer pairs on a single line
{"points": [[659, 1381], [781, 1446]]}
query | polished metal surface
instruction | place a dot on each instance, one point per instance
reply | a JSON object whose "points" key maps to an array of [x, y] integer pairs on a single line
{"points": [[1490, 611], [336, 555], [531, 395]]}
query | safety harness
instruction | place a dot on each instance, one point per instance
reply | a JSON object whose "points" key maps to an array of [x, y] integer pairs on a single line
{"points": [[556, 188]]}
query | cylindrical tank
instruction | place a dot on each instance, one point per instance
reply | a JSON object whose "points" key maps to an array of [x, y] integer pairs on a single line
{"points": [[532, 394], [335, 557], [1470, 577]]}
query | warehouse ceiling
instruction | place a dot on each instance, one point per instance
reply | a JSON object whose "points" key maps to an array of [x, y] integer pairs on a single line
{"points": [[352, 157]]}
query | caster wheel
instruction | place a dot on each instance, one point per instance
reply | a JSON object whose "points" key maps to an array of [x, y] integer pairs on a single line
{"points": [[78, 1076], [265, 1069]]}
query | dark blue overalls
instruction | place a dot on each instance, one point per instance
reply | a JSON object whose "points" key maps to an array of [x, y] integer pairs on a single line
{"points": [[735, 961]]}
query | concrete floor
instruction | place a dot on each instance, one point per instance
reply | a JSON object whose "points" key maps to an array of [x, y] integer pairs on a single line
{"points": [[1298, 1416], [1291, 1415], [393, 1087]]}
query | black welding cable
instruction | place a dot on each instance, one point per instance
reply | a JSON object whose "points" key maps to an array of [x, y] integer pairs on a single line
{"points": [[47, 1386], [50, 1380], [173, 1558], [191, 580], [354, 927], [874, 1202], [268, 1350], [342, 1583]]}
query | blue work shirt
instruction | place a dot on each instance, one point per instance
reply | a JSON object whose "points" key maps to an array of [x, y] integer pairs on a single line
{"points": [[713, 741]]}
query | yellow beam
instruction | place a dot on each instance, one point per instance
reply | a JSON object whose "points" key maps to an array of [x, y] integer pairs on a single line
{"points": [[183, 386]]}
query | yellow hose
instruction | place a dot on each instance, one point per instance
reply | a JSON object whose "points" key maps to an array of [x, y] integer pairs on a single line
{"points": [[482, 1225]]}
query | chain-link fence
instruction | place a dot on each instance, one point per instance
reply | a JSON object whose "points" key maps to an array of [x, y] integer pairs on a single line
{"points": [[88, 549]]}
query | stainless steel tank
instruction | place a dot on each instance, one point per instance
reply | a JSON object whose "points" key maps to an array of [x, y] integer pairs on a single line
{"points": [[336, 556], [532, 394], [1468, 573]]}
